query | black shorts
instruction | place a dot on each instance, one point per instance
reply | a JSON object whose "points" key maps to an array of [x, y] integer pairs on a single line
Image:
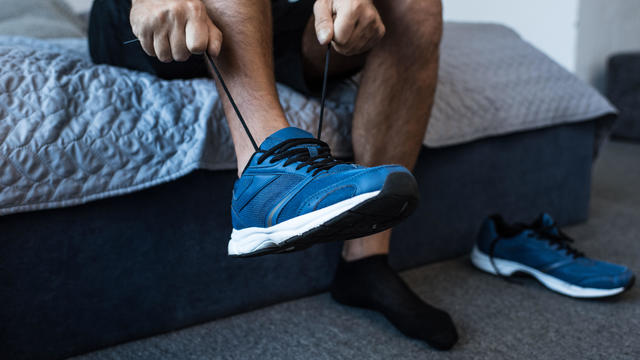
{"points": [[109, 28]]}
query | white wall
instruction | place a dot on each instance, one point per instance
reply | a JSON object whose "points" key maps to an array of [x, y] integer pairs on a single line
{"points": [[605, 28], [550, 25], [578, 34], [80, 5]]}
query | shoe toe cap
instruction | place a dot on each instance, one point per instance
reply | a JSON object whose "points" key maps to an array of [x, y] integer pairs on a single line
{"points": [[375, 179], [621, 279], [366, 180]]}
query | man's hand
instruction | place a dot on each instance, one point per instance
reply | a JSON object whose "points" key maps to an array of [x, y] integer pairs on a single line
{"points": [[356, 27], [174, 29]]}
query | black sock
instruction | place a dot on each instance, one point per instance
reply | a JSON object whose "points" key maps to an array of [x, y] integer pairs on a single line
{"points": [[371, 283]]}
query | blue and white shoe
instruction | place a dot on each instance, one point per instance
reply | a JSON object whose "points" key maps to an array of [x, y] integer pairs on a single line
{"points": [[543, 251], [293, 194]]}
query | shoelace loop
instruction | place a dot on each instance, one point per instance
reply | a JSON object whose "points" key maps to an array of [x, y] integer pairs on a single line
{"points": [[561, 240], [294, 151]]}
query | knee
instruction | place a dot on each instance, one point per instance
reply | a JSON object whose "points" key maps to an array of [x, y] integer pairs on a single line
{"points": [[414, 23]]}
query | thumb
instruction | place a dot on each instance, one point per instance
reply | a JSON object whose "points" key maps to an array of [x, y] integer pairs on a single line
{"points": [[323, 13]]}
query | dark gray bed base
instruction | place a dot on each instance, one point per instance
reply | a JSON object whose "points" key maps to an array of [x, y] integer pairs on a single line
{"points": [[81, 278]]}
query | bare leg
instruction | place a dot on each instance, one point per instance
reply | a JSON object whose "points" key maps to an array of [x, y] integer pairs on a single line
{"points": [[391, 115], [395, 96], [246, 62]]}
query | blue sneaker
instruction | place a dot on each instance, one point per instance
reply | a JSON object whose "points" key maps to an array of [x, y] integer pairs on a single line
{"points": [[293, 194], [543, 251]]}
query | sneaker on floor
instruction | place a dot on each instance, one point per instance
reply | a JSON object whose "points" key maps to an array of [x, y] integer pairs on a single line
{"points": [[543, 251], [293, 194]]}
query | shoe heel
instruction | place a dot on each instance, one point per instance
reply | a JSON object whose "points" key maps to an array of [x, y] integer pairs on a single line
{"points": [[483, 262]]}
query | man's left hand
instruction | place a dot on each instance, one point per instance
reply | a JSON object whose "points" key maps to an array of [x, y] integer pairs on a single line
{"points": [[353, 26]]}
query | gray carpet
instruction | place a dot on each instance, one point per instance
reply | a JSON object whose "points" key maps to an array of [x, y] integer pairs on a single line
{"points": [[496, 319]]}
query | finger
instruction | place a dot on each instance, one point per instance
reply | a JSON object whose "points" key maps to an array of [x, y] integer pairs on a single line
{"points": [[144, 34], [197, 36], [370, 44], [215, 40], [323, 15], [366, 34], [162, 47], [357, 41], [370, 36], [146, 41], [378, 33], [136, 24], [361, 35], [178, 43], [344, 25]]}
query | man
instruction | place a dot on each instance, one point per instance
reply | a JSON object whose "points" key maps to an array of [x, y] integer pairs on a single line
{"points": [[291, 193]]}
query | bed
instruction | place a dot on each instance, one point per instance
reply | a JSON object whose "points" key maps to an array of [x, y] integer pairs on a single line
{"points": [[115, 185]]}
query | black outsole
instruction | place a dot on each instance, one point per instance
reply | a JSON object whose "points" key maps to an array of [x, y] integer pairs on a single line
{"points": [[396, 201], [630, 285]]}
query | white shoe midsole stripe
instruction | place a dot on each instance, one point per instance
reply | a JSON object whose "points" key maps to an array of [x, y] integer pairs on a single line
{"points": [[506, 267], [252, 239]]}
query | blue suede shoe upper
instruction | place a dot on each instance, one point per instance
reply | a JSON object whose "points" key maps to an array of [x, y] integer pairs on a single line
{"points": [[296, 179], [540, 246]]}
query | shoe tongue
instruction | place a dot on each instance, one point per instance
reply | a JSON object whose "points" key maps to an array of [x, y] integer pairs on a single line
{"points": [[282, 135], [544, 220]]}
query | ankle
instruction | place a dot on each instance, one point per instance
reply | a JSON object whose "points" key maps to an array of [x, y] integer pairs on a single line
{"points": [[355, 256], [244, 148], [242, 160], [376, 244]]}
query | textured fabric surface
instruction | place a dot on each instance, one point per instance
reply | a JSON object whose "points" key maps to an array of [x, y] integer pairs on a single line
{"points": [[85, 277], [492, 82], [623, 89], [72, 132], [496, 319], [39, 18]]}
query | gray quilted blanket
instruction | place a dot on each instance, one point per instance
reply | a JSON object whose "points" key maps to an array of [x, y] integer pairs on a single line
{"points": [[72, 132]]}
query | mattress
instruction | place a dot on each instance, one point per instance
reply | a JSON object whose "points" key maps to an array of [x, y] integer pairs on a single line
{"points": [[72, 132]]}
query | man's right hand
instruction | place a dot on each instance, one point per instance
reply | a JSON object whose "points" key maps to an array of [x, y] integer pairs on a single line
{"points": [[172, 30]]}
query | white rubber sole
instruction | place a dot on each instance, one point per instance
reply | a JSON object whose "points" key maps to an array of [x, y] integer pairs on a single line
{"points": [[507, 268], [251, 240]]}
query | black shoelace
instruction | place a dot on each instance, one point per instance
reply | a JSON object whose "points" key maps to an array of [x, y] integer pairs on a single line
{"points": [[294, 151], [560, 240], [317, 162]]}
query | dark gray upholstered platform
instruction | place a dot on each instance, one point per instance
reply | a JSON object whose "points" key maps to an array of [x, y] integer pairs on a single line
{"points": [[623, 89], [496, 319], [81, 278]]}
